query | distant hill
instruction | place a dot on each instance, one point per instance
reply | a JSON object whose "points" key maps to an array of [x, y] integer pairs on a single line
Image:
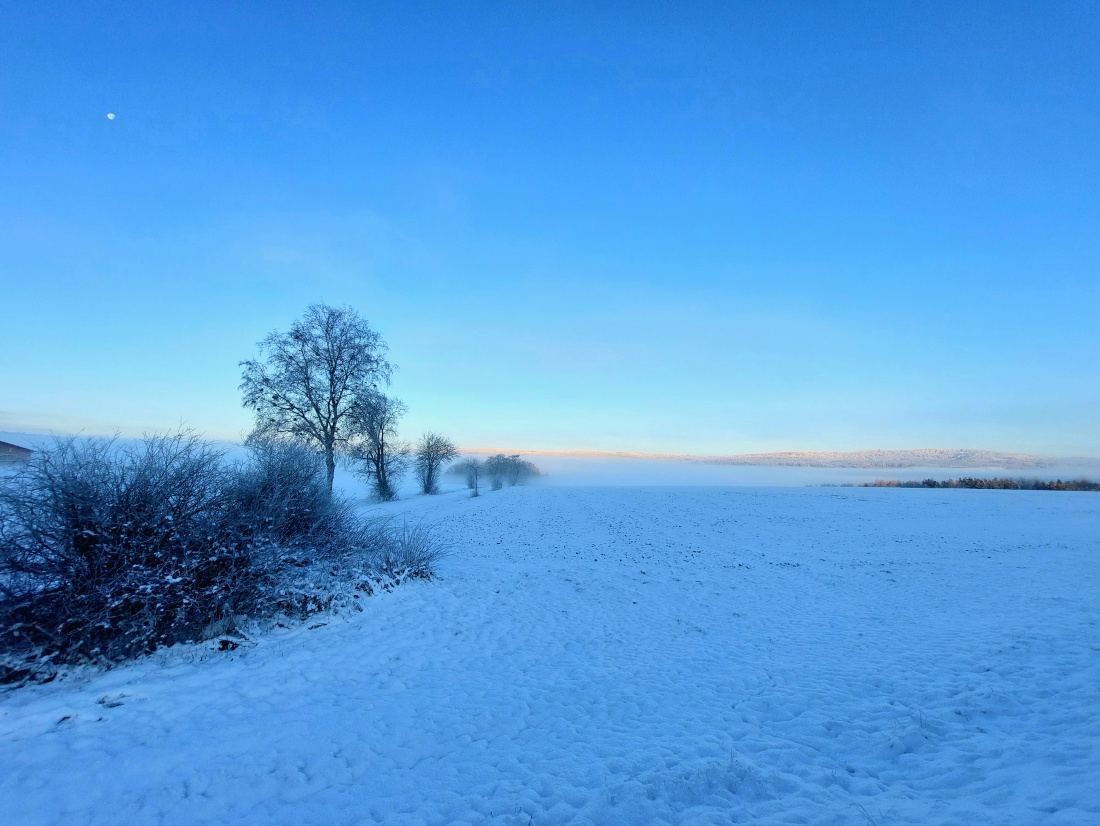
{"points": [[924, 457]]}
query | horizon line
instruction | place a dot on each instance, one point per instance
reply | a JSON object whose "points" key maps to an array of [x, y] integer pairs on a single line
{"points": [[866, 457], [858, 458]]}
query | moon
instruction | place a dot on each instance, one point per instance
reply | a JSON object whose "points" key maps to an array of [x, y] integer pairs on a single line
{"points": [[110, 116]]}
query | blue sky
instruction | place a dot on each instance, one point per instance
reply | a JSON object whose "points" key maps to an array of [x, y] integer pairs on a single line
{"points": [[670, 227]]}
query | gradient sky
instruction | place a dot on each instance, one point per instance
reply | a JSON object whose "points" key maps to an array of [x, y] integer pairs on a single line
{"points": [[669, 227]]}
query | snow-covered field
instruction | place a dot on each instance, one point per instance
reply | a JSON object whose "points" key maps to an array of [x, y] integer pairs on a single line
{"points": [[630, 655]]}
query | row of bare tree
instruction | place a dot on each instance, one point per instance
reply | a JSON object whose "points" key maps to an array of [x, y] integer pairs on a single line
{"points": [[498, 469], [323, 383]]}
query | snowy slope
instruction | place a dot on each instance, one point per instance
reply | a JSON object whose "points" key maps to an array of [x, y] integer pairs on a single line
{"points": [[631, 655]]}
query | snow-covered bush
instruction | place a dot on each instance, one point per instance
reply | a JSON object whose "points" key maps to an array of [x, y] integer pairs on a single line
{"points": [[108, 552], [409, 552], [280, 491]]}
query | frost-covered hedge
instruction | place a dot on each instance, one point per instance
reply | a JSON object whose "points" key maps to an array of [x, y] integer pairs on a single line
{"points": [[108, 552]]}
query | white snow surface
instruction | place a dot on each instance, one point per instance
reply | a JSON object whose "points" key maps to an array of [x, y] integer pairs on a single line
{"points": [[628, 655]]}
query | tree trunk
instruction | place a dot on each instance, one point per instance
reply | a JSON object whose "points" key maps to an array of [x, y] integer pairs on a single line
{"points": [[330, 465], [381, 489]]}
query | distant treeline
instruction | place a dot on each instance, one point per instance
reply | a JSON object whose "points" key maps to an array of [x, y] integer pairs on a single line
{"points": [[499, 469], [1002, 483]]}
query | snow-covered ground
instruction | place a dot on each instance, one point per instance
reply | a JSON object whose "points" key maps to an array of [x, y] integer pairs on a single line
{"points": [[630, 655]]}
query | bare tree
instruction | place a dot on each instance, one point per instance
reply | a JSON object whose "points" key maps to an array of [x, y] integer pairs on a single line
{"points": [[513, 469], [519, 470], [496, 467], [433, 451], [378, 453], [308, 381]]}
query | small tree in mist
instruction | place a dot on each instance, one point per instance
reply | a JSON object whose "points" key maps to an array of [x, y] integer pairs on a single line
{"points": [[495, 468], [378, 454], [520, 470], [511, 469], [471, 470], [432, 453], [309, 381]]}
